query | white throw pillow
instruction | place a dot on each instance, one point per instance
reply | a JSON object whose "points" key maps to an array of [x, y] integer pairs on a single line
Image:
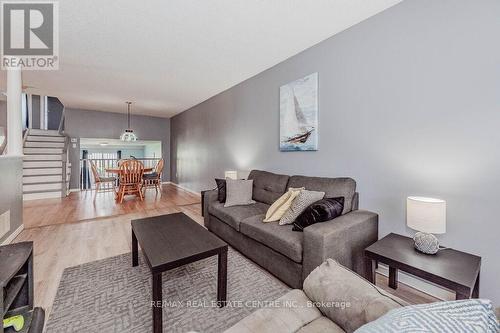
{"points": [[238, 192]]}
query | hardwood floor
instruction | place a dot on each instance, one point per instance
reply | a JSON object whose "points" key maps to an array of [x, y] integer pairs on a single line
{"points": [[61, 241], [88, 205], [405, 292]]}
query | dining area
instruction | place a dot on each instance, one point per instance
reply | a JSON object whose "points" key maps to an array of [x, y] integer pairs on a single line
{"points": [[125, 177], [116, 193]]}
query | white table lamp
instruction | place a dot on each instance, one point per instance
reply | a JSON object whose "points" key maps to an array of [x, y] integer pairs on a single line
{"points": [[231, 174], [428, 217]]}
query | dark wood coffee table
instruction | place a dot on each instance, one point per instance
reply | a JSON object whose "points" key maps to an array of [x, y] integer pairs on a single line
{"points": [[452, 269], [173, 240]]}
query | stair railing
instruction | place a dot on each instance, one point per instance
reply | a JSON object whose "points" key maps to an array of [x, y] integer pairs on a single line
{"points": [[64, 156], [61, 122]]}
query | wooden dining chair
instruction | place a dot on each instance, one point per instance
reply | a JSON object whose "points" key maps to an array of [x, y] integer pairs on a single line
{"points": [[131, 172], [101, 180], [154, 178]]}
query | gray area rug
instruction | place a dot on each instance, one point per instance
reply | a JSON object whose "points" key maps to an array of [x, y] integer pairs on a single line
{"points": [[110, 295]]}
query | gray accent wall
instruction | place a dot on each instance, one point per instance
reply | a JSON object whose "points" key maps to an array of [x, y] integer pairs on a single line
{"points": [[409, 105], [35, 105], [107, 125], [54, 113], [11, 196]]}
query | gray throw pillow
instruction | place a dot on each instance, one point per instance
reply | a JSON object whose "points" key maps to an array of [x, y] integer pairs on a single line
{"points": [[299, 204], [238, 192]]}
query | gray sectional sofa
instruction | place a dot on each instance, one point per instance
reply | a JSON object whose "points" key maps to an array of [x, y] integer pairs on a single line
{"points": [[334, 300], [287, 254]]}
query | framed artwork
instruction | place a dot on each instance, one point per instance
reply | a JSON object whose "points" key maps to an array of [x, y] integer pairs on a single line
{"points": [[299, 114]]}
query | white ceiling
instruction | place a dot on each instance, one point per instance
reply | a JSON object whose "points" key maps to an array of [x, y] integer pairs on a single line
{"points": [[169, 55]]}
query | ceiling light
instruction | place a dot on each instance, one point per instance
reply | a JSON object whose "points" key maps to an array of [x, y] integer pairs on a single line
{"points": [[128, 134]]}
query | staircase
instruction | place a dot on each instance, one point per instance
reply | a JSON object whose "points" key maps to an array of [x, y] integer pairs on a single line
{"points": [[46, 171]]}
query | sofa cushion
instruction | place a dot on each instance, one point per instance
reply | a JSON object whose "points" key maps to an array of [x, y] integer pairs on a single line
{"points": [[300, 204], [233, 216], [279, 238], [221, 189], [268, 186], [293, 314], [321, 211], [321, 325], [333, 187], [280, 206], [238, 192], [351, 300]]}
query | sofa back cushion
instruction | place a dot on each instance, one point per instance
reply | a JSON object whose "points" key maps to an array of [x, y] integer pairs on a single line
{"points": [[268, 186], [345, 297], [333, 187]]}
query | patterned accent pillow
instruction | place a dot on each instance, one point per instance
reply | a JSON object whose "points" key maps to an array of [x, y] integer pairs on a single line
{"points": [[280, 206], [472, 315], [221, 189], [238, 192], [321, 211], [299, 204]]}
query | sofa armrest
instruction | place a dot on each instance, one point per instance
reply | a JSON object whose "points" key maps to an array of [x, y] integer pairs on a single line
{"points": [[209, 197], [343, 239]]}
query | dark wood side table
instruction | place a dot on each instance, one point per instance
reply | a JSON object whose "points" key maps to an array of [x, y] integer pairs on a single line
{"points": [[170, 241], [452, 269], [17, 287]]}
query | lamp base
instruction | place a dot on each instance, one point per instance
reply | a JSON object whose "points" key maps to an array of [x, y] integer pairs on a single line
{"points": [[426, 243]]}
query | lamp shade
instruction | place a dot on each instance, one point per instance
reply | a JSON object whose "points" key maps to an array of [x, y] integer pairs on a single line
{"points": [[426, 214], [231, 174]]}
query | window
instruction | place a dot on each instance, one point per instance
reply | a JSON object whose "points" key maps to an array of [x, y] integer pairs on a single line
{"points": [[103, 156]]}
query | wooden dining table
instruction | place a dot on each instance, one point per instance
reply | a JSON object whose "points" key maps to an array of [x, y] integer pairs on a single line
{"points": [[117, 171]]}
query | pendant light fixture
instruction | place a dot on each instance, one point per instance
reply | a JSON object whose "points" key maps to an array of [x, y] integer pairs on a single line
{"points": [[128, 134]]}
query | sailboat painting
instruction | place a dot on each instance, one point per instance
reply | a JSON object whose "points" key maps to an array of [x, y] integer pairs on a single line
{"points": [[299, 114]]}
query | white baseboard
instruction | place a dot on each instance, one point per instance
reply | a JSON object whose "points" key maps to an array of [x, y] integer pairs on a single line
{"points": [[198, 194], [13, 235], [419, 284], [71, 190]]}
